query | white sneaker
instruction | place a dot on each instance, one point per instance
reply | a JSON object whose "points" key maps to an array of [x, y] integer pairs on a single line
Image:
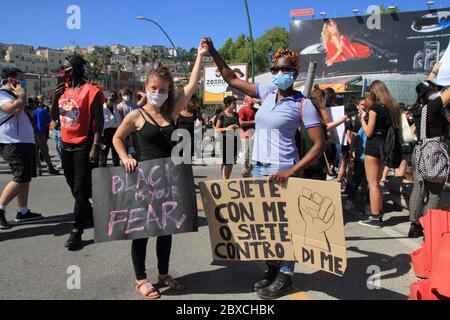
{"points": [[349, 205]]}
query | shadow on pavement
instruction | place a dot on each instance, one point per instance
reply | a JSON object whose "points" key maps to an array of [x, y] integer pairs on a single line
{"points": [[234, 278], [54, 225], [354, 284], [202, 222], [393, 221], [56, 230]]}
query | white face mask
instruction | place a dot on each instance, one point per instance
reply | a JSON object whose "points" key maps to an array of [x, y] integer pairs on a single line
{"points": [[126, 98], [156, 99]]}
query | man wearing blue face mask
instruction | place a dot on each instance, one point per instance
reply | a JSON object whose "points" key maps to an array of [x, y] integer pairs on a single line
{"points": [[275, 154]]}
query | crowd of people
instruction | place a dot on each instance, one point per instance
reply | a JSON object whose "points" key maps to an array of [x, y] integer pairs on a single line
{"points": [[282, 132]]}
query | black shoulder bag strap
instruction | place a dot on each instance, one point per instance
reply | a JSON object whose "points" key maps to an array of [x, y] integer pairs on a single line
{"points": [[161, 129], [12, 116]]}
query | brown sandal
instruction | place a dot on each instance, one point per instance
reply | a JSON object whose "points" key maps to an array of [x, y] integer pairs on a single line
{"points": [[153, 293], [170, 282]]}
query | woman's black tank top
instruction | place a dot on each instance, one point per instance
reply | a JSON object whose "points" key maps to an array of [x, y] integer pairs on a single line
{"points": [[155, 141]]}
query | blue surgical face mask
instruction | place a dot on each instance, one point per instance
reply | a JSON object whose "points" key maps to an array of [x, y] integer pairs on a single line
{"points": [[283, 80]]}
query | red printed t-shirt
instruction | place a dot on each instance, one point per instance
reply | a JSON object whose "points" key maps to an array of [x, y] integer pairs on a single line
{"points": [[247, 114], [75, 113]]}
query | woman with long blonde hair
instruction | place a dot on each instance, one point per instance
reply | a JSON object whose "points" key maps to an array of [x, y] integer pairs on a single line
{"points": [[384, 113]]}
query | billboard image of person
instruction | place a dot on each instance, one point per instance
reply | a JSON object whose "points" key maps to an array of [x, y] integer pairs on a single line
{"points": [[338, 46], [410, 42]]}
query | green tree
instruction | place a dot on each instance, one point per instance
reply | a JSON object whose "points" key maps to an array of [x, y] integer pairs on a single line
{"points": [[95, 64], [116, 70], [154, 56], [265, 47], [384, 10], [106, 56], [134, 60], [227, 50], [144, 58]]}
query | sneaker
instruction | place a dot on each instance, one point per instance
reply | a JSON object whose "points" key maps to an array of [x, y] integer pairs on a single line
{"points": [[349, 205], [3, 223], [416, 231], [280, 287], [372, 222], [29, 216], [74, 242]]}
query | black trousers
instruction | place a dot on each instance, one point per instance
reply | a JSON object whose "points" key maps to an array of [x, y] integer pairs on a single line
{"points": [[77, 170], [359, 172], [139, 252], [108, 135]]}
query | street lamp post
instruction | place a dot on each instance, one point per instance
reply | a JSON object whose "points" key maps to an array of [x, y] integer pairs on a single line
{"points": [[251, 41], [173, 45]]}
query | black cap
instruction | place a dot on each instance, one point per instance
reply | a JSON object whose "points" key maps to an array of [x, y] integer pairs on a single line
{"points": [[425, 87], [10, 72], [228, 100]]}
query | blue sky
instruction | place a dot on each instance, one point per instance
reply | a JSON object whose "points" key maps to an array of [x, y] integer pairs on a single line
{"points": [[43, 22]]}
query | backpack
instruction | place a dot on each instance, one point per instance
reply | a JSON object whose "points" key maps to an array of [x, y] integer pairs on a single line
{"points": [[432, 159], [393, 156]]}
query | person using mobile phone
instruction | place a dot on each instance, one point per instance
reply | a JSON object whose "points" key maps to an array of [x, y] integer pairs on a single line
{"points": [[16, 146], [77, 104]]}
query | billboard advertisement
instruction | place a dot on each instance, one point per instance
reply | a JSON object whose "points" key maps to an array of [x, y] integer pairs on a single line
{"points": [[216, 89], [393, 42]]}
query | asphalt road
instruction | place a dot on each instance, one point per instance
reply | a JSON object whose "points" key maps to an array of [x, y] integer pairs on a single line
{"points": [[34, 263]]}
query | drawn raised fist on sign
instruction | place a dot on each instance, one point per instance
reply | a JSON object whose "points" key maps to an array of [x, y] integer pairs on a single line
{"points": [[319, 215]]}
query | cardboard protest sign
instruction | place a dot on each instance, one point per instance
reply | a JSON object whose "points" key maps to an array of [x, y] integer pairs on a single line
{"points": [[337, 134], [158, 199], [254, 219], [317, 223]]}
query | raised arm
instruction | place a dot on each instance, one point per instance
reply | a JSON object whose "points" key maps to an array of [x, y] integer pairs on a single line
{"points": [[54, 110], [337, 123], [435, 71], [16, 106], [369, 127], [228, 75], [189, 90]]}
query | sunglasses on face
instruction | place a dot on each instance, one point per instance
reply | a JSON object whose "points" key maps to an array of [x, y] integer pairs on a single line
{"points": [[285, 70]]}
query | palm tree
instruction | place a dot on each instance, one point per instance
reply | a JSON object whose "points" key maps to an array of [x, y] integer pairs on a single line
{"points": [[106, 59], [144, 60], [134, 59], [154, 56], [117, 70], [95, 63]]}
